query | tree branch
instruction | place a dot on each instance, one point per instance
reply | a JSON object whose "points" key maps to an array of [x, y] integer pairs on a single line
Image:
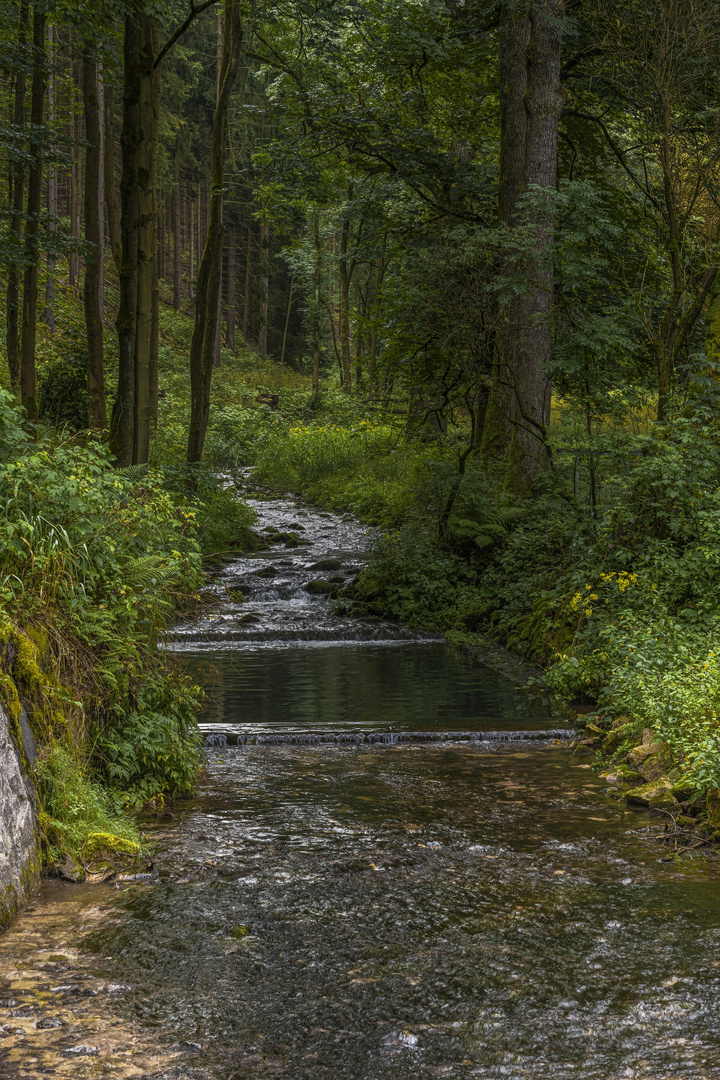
{"points": [[177, 34]]}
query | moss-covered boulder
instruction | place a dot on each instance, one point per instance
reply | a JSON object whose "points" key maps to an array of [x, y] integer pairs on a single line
{"points": [[712, 807], [320, 588], [657, 795]]}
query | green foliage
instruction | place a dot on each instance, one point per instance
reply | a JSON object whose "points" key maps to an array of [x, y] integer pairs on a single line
{"points": [[74, 804], [415, 580], [152, 749], [63, 399]]}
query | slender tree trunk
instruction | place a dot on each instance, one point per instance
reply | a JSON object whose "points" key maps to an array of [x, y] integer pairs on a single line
{"points": [[372, 358], [122, 428], [49, 313], [287, 319], [153, 375], [111, 201], [531, 102], [317, 282], [176, 239], [264, 280], [146, 327], [231, 290], [28, 394], [12, 333], [246, 293], [76, 135], [203, 340], [91, 285], [191, 274], [345, 304], [101, 189]]}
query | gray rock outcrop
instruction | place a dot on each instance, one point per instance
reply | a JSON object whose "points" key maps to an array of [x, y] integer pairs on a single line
{"points": [[19, 863]]}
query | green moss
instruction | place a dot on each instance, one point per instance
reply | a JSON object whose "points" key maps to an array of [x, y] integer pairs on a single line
{"points": [[103, 841]]}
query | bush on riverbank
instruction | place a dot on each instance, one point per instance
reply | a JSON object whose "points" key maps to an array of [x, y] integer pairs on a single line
{"points": [[94, 563]]}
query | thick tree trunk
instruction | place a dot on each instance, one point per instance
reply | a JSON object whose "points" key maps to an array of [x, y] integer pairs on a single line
{"points": [[231, 290], [28, 394], [122, 428], [208, 291], [17, 200], [92, 283], [153, 375], [531, 102], [111, 201]]}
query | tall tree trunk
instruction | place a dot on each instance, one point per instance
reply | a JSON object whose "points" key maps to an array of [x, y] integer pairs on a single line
{"points": [[101, 189], [147, 246], [153, 374], [317, 281], [176, 239], [111, 201], [287, 319], [17, 199], [531, 102], [122, 426], [345, 303], [264, 281], [246, 292], [49, 313], [231, 290], [208, 291], [28, 394], [75, 136], [191, 272], [91, 286]]}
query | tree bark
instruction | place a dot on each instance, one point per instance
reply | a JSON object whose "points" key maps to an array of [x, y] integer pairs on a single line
{"points": [[122, 428], [317, 282], [153, 376], [147, 246], [28, 394], [264, 280], [345, 304], [75, 136], [176, 239], [49, 313], [111, 201], [531, 102], [92, 282], [17, 200], [208, 291], [231, 290], [246, 293]]}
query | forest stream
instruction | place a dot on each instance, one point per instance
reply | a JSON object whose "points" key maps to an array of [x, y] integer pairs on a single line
{"points": [[393, 869]]}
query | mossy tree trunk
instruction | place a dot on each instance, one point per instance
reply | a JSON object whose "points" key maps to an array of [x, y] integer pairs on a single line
{"points": [[202, 348]]}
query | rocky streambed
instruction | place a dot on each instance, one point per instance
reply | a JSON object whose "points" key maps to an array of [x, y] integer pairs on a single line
{"points": [[393, 869]]}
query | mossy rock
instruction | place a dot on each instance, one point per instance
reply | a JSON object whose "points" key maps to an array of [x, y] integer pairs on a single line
{"points": [[102, 841], [712, 807], [267, 572], [683, 790], [656, 795], [326, 564], [319, 588], [613, 741]]}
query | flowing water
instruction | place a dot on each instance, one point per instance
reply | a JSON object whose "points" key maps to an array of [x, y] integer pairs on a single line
{"points": [[391, 871]]}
